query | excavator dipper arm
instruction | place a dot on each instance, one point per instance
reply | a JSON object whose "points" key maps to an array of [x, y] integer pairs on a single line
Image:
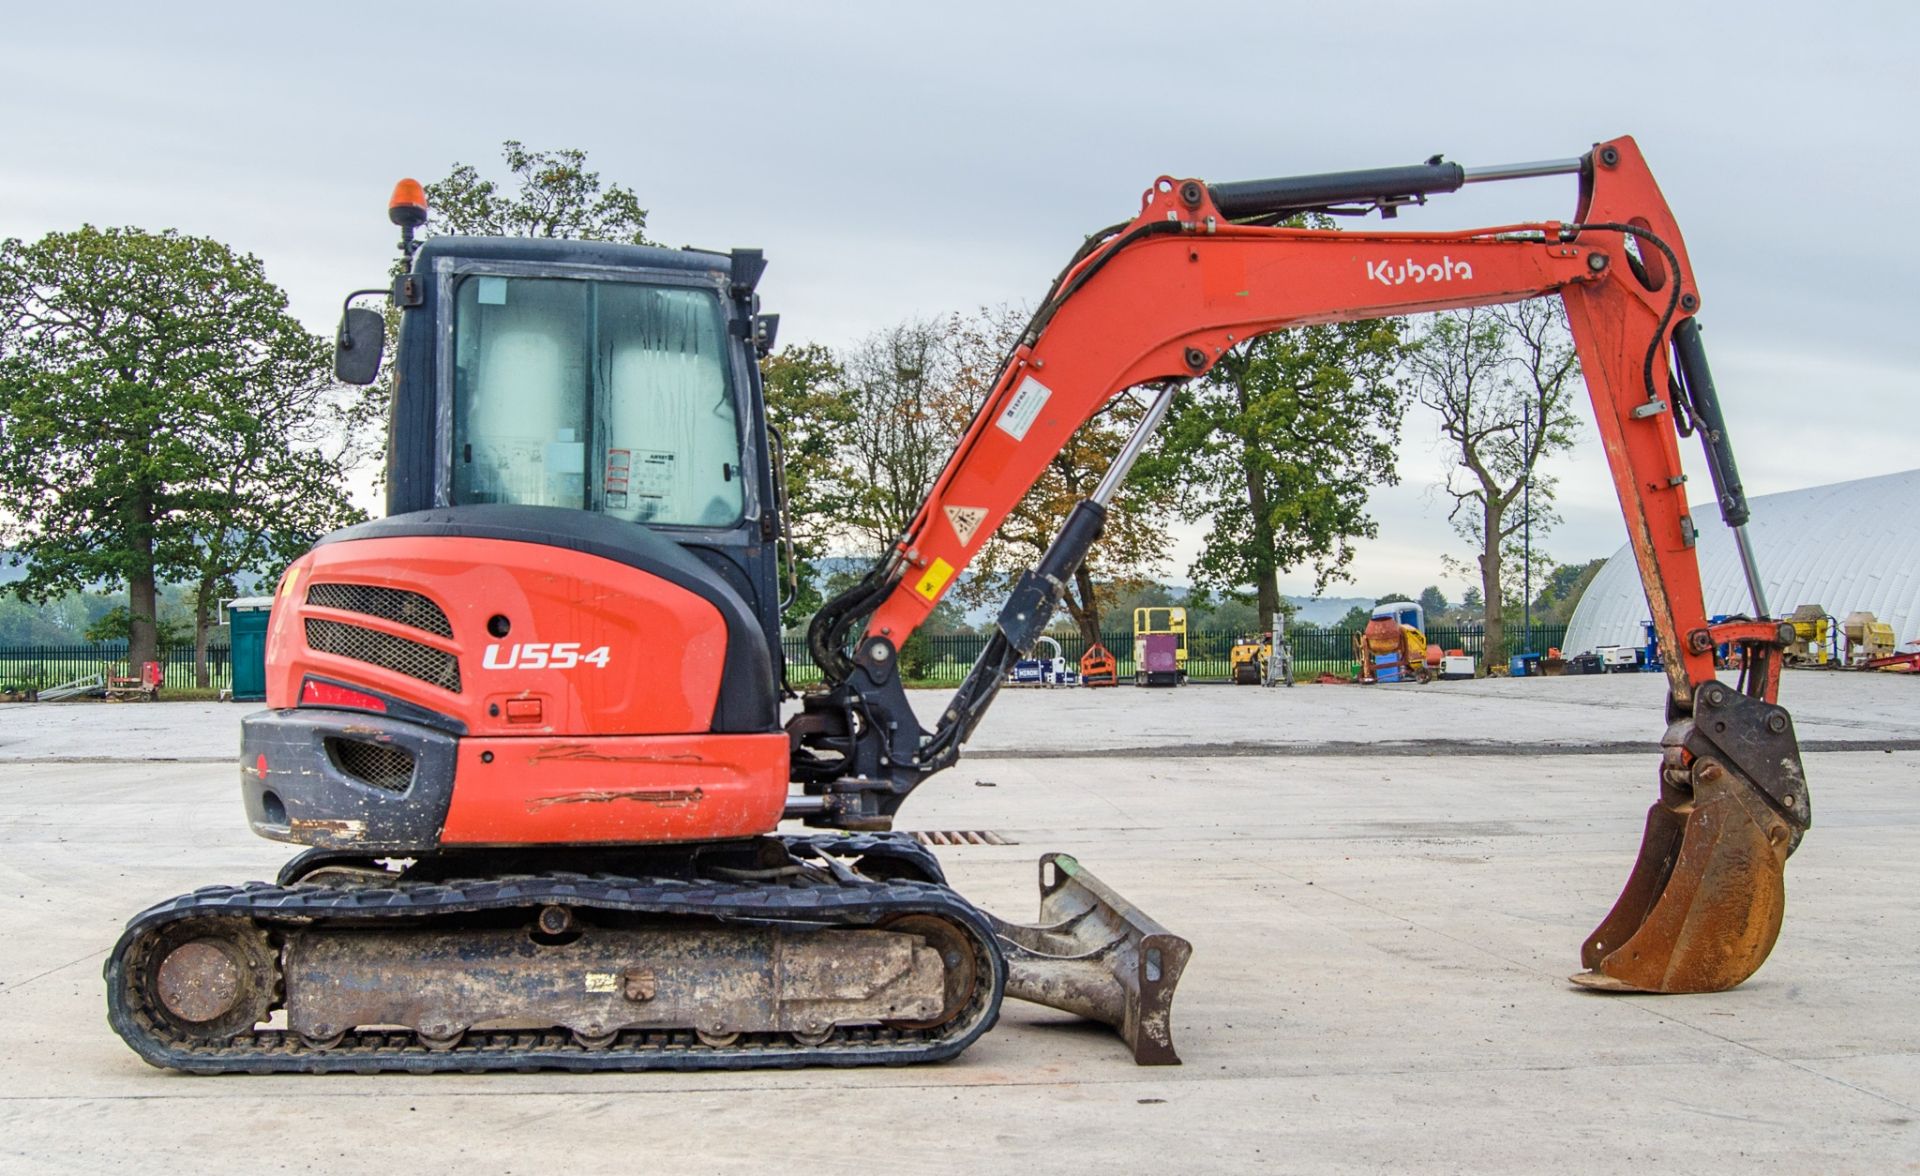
{"points": [[1199, 271]]}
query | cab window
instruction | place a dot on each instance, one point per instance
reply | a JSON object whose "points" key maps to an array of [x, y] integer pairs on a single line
{"points": [[613, 397]]}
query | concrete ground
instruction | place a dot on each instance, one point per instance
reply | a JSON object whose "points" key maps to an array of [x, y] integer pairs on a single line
{"points": [[1378, 980]]}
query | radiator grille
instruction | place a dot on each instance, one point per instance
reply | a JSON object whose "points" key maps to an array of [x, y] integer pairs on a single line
{"points": [[393, 604], [377, 764], [398, 654]]}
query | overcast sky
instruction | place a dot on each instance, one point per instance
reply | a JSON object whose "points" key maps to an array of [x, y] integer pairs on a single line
{"points": [[901, 159]]}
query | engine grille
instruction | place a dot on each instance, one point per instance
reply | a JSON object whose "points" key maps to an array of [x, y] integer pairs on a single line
{"points": [[393, 604], [398, 654], [377, 764]]}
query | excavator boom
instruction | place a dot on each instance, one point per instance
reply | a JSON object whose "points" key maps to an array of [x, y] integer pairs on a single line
{"points": [[1205, 268]]}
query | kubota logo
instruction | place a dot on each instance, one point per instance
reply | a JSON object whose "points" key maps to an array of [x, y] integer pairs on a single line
{"points": [[540, 655], [1388, 273]]}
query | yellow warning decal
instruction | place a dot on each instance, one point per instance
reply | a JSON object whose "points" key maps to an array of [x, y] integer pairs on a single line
{"points": [[287, 583], [936, 578]]}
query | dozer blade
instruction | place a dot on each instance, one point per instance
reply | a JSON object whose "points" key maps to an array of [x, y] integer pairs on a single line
{"points": [[1703, 905], [1094, 954]]}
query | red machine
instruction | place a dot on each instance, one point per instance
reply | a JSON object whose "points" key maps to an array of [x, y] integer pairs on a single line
{"points": [[530, 726]]}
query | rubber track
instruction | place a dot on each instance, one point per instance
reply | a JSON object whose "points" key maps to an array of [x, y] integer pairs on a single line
{"points": [[272, 908]]}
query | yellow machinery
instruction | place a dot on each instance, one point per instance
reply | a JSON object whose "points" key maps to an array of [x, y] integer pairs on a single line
{"points": [[1814, 634], [1156, 619], [1868, 637], [1247, 664]]}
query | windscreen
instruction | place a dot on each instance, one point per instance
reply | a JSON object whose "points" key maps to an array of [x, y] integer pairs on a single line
{"points": [[593, 395]]}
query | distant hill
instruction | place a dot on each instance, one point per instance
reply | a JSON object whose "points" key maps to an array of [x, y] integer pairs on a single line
{"points": [[1325, 610]]}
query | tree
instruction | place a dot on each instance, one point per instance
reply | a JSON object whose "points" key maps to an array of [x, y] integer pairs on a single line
{"points": [[1432, 602], [557, 197], [1561, 592], [1501, 380], [1391, 598], [1356, 618], [117, 622], [1278, 447], [157, 410], [808, 404], [907, 409]]}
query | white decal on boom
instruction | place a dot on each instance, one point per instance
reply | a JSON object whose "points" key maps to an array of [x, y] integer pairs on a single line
{"points": [[1026, 404], [1388, 273]]}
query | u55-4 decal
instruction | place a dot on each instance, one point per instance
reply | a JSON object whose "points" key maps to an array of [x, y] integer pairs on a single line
{"points": [[542, 655]]}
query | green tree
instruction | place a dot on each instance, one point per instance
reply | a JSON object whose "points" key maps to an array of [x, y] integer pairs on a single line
{"points": [[157, 402], [809, 406], [116, 623], [1561, 592], [1432, 602], [1133, 544], [909, 401], [1278, 448], [1391, 597], [1502, 381], [557, 196], [1356, 618], [553, 194]]}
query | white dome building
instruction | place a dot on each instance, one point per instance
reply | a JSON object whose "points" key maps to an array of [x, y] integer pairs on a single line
{"points": [[1850, 546]]}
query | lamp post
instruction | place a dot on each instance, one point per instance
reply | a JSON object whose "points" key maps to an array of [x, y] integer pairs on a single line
{"points": [[1526, 532]]}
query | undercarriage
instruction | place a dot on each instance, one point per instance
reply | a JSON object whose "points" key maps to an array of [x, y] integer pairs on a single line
{"points": [[803, 951]]}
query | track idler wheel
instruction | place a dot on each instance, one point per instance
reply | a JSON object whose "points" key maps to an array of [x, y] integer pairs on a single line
{"points": [[1704, 903], [211, 979]]}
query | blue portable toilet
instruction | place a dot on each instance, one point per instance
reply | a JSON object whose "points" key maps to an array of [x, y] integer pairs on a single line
{"points": [[247, 617]]}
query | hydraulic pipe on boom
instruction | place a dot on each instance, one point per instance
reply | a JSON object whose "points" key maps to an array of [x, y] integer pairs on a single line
{"points": [[1202, 269]]}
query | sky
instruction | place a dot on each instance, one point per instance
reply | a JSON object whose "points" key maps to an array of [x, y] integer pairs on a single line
{"points": [[901, 160]]}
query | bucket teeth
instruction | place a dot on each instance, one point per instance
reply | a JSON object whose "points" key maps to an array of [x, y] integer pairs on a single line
{"points": [[1703, 905]]}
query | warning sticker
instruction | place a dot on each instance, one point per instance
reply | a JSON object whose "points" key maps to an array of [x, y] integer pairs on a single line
{"points": [[603, 982], [966, 520], [1026, 404], [618, 477], [936, 578]]}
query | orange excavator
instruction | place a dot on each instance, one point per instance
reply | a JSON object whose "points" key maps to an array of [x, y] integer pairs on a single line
{"points": [[529, 724]]}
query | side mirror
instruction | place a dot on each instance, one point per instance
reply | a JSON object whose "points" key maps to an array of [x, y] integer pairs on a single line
{"points": [[357, 349]]}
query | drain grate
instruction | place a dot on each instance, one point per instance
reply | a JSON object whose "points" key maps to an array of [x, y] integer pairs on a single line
{"points": [[962, 837]]}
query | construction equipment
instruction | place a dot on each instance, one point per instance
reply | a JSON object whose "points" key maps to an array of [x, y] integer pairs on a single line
{"points": [[528, 724], [1278, 670], [1247, 662], [1047, 670], [1393, 646], [143, 685], [1867, 637], [1169, 654], [85, 686], [1816, 637], [1097, 667]]}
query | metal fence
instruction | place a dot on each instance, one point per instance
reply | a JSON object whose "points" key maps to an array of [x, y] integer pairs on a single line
{"points": [[947, 658], [46, 666]]}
